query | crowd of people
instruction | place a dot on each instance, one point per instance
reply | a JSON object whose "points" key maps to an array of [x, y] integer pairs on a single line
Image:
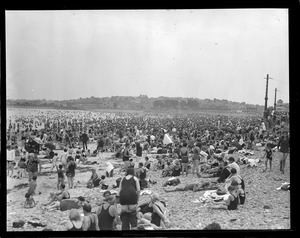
{"points": [[199, 145]]}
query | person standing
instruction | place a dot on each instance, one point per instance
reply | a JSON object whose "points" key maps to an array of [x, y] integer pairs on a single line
{"points": [[268, 154], [126, 156], [129, 196], [33, 165], [71, 171], [283, 146], [183, 154], [10, 160], [85, 139], [196, 160], [139, 151]]}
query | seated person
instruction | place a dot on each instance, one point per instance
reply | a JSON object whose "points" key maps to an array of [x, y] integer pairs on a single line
{"points": [[158, 215], [213, 172], [29, 202], [224, 174], [193, 187], [231, 203], [49, 155], [233, 164], [168, 170], [58, 196], [94, 180], [109, 169], [79, 158], [211, 163], [241, 193], [176, 169]]}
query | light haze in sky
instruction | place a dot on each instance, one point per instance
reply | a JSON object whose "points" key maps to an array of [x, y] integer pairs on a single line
{"points": [[205, 53]]}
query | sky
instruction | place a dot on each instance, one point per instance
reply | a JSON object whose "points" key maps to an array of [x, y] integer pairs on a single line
{"points": [[204, 53]]}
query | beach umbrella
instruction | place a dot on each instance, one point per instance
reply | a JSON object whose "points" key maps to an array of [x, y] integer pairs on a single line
{"points": [[174, 130], [50, 146], [152, 137]]}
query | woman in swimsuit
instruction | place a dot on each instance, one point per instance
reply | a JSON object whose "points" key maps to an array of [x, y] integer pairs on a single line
{"points": [[75, 222], [90, 220], [158, 216], [231, 203]]}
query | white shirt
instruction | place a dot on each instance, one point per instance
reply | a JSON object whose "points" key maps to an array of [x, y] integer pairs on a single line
{"points": [[10, 155], [236, 166]]}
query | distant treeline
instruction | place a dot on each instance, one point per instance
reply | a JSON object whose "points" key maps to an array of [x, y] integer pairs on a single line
{"points": [[141, 102]]}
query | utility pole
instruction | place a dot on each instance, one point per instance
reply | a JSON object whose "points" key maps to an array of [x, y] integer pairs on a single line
{"points": [[275, 100], [266, 97]]}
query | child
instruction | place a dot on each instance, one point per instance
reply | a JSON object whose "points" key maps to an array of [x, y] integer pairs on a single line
{"points": [[131, 163], [147, 163], [230, 203], [54, 162], [23, 164], [32, 186], [29, 202], [268, 154], [61, 176]]}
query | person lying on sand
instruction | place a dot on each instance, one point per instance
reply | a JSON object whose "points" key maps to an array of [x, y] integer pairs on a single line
{"points": [[67, 204], [193, 186]]}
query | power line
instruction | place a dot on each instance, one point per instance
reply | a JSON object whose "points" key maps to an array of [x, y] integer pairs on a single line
{"points": [[279, 81]]}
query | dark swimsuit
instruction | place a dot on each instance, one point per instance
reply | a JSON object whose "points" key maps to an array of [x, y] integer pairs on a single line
{"points": [[128, 195], [105, 219], [74, 228], [233, 204], [92, 226], [155, 218]]}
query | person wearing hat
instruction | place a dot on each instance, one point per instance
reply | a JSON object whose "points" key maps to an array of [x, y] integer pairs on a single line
{"points": [[90, 220], [107, 213], [283, 145]]}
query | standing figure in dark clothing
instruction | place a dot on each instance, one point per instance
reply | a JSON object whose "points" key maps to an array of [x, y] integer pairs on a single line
{"points": [[139, 151], [283, 146], [85, 139], [71, 171], [129, 195]]}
